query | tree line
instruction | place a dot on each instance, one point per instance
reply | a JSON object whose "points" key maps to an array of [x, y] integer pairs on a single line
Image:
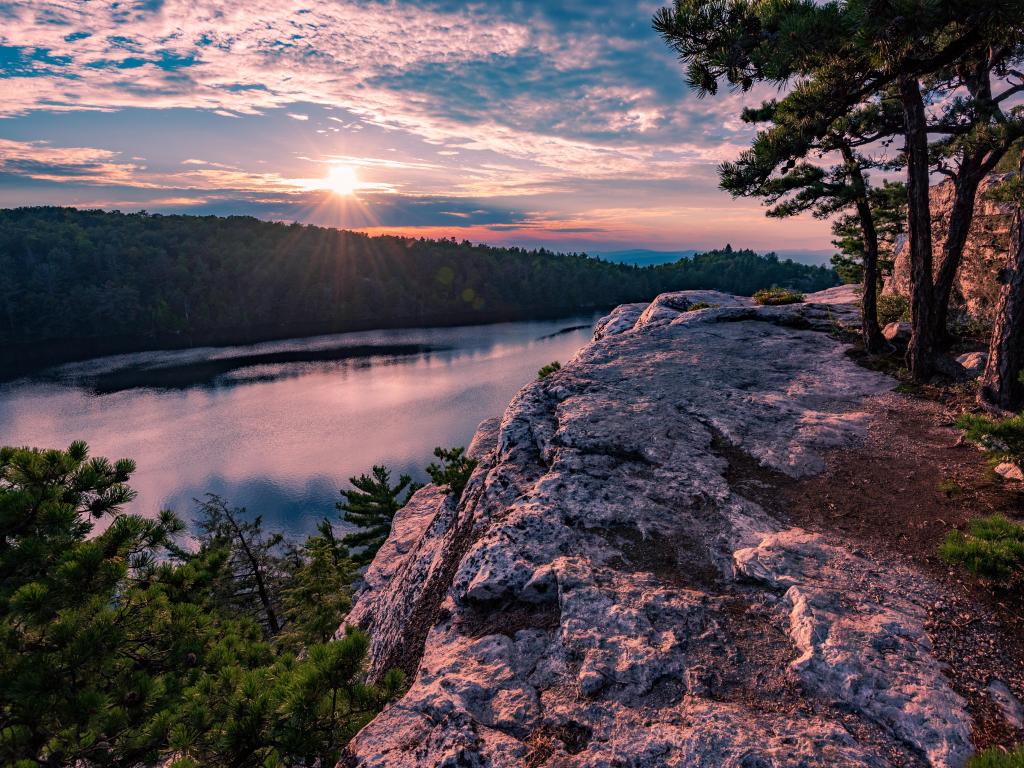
{"points": [[900, 88], [81, 282]]}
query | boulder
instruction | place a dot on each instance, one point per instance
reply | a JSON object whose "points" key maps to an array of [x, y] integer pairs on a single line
{"points": [[1010, 471], [973, 362], [897, 332]]}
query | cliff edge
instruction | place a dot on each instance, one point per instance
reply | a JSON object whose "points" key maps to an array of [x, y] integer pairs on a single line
{"points": [[615, 589]]}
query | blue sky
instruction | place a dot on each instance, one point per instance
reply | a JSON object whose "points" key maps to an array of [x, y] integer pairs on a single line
{"points": [[566, 124]]}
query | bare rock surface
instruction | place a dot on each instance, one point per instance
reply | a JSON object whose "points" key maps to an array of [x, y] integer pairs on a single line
{"points": [[611, 589]]}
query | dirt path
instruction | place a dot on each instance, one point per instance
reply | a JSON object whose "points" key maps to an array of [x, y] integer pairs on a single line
{"points": [[895, 498]]}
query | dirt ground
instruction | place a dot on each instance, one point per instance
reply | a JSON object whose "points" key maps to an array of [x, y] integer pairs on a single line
{"points": [[895, 498]]}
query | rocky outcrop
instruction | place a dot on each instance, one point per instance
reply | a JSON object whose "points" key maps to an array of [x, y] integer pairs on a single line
{"points": [[614, 587], [976, 290]]}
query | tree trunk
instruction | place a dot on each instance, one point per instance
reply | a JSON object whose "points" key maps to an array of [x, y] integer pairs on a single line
{"points": [[257, 572], [1001, 388], [960, 219], [921, 350], [976, 162], [871, 333]]}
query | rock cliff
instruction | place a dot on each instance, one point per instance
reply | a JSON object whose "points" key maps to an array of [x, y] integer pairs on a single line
{"points": [[976, 290], [615, 589]]}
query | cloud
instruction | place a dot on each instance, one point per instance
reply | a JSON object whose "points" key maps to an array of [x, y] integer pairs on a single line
{"points": [[41, 161], [513, 106], [592, 83]]}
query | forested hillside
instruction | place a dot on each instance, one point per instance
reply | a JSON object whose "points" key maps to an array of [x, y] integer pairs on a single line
{"points": [[85, 282]]}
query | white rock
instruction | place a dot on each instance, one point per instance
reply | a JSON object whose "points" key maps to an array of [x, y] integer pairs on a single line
{"points": [[596, 596], [1010, 471]]}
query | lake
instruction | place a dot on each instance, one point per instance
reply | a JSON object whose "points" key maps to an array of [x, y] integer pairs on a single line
{"points": [[279, 427]]}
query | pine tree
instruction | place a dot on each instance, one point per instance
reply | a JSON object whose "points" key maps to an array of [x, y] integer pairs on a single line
{"points": [[889, 212], [98, 634], [119, 649], [774, 169], [316, 593], [371, 505], [842, 55], [256, 560], [453, 471]]}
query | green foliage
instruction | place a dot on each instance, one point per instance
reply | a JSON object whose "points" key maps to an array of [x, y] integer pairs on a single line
{"points": [[548, 369], [289, 712], [1010, 161], [775, 296], [121, 648], [998, 758], [254, 570], [1002, 439], [316, 591], [453, 471], [993, 548], [888, 205], [892, 307], [950, 488], [697, 305], [142, 280], [371, 505], [849, 269]]}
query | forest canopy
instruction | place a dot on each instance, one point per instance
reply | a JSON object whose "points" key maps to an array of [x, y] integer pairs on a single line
{"points": [[83, 282]]}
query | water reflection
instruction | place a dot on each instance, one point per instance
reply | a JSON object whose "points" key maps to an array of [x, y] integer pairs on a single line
{"points": [[279, 427]]}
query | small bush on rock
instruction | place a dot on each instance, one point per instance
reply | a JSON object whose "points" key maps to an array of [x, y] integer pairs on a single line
{"points": [[993, 548], [776, 296], [700, 305], [454, 470], [548, 369], [997, 758], [892, 308]]}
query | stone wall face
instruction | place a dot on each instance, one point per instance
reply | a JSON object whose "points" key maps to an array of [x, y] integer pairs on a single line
{"points": [[976, 291]]}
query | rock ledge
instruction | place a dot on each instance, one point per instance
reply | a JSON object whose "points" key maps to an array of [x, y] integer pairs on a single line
{"points": [[612, 591]]}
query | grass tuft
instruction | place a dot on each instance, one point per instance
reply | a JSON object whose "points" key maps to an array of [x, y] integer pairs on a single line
{"points": [[998, 758], [992, 547], [774, 296], [1001, 439]]}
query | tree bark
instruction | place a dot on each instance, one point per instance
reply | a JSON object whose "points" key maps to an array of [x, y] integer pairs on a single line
{"points": [[921, 350], [871, 333], [1001, 389], [975, 163], [960, 219]]}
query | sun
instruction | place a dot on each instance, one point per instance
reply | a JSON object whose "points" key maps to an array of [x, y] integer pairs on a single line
{"points": [[342, 180]]}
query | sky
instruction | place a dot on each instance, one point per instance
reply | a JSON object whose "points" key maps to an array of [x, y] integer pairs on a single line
{"points": [[531, 122]]}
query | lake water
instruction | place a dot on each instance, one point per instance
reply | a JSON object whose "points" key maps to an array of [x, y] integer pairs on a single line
{"points": [[279, 427]]}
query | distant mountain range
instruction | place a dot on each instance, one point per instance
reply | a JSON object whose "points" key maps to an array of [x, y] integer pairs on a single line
{"points": [[645, 257]]}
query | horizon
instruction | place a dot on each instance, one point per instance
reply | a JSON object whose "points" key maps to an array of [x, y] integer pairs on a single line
{"points": [[523, 125]]}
